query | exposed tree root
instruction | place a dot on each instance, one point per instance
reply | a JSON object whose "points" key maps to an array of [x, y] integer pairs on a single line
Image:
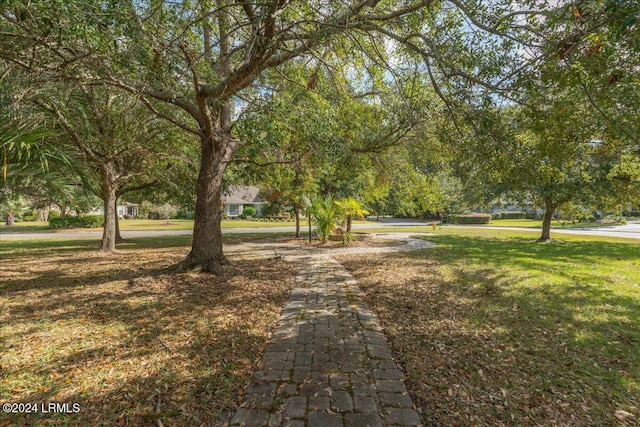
{"points": [[189, 265]]}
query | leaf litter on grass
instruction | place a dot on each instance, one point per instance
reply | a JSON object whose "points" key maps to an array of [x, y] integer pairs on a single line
{"points": [[482, 345], [131, 345]]}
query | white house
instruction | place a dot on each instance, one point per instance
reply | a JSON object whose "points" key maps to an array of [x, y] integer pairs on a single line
{"points": [[237, 198], [124, 208]]}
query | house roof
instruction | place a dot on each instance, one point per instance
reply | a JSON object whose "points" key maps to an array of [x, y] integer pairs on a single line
{"points": [[239, 194]]}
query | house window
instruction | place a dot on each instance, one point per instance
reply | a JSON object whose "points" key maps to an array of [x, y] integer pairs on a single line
{"points": [[234, 210]]}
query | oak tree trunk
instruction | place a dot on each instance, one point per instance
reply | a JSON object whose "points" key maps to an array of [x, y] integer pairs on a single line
{"points": [[109, 230], [546, 222], [206, 249], [109, 198]]}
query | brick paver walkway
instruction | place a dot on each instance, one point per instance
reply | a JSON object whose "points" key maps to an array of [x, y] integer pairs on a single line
{"points": [[328, 363]]}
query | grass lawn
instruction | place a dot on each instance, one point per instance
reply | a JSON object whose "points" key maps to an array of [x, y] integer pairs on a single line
{"points": [[129, 343], [532, 223], [496, 330], [148, 224]]}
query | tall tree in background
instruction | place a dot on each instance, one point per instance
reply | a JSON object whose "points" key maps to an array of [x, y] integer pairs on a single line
{"points": [[122, 147]]}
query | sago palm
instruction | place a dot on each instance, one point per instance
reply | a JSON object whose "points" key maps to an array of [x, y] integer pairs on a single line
{"points": [[351, 208]]}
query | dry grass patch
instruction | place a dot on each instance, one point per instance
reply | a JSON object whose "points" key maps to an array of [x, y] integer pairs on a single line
{"points": [[131, 345], [504, 332]]}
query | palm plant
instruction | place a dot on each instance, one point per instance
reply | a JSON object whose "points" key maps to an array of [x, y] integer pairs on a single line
{"points": [[351, 208], [325, 213], [31, 162]]}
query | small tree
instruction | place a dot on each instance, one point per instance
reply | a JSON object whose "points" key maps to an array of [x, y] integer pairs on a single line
{"points": [[351, 208], [167, 211]]}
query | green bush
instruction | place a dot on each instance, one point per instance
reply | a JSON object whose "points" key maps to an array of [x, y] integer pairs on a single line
{"points": [[469, 219], [54, 214], [511, 215], [88, 221], [348, 237], [140, 216], [249, 211], [32, 215], [58, 222], [497, 215], [185, 214]]}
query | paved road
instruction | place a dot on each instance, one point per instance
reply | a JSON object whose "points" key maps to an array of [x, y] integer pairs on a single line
{"points": [[153, 233], [630, 230]]}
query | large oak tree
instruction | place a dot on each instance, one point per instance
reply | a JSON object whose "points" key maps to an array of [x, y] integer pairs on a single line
{"points": [[207, 59]]}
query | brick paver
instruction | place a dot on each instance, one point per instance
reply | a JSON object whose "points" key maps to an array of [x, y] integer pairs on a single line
{"points": [[328, 363]]}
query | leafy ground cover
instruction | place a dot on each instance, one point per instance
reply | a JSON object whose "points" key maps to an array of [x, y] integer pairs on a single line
{"points": [[495, 330], [131, 345]]}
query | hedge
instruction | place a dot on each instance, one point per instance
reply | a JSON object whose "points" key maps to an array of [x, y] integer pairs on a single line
{"points": [[632, 213], [510, 215], [87, 221], [469, 219]]}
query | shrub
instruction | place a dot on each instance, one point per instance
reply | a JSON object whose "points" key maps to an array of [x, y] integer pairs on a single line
{"points": [[249, 211], [88, 221], [632, 213], [185, 214], [497, 215], [612, 220], [141, 216], [469, 219], [32, 215], [54, 214], [59, 222], [348, 237], [126, 216], [511, 215]]}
